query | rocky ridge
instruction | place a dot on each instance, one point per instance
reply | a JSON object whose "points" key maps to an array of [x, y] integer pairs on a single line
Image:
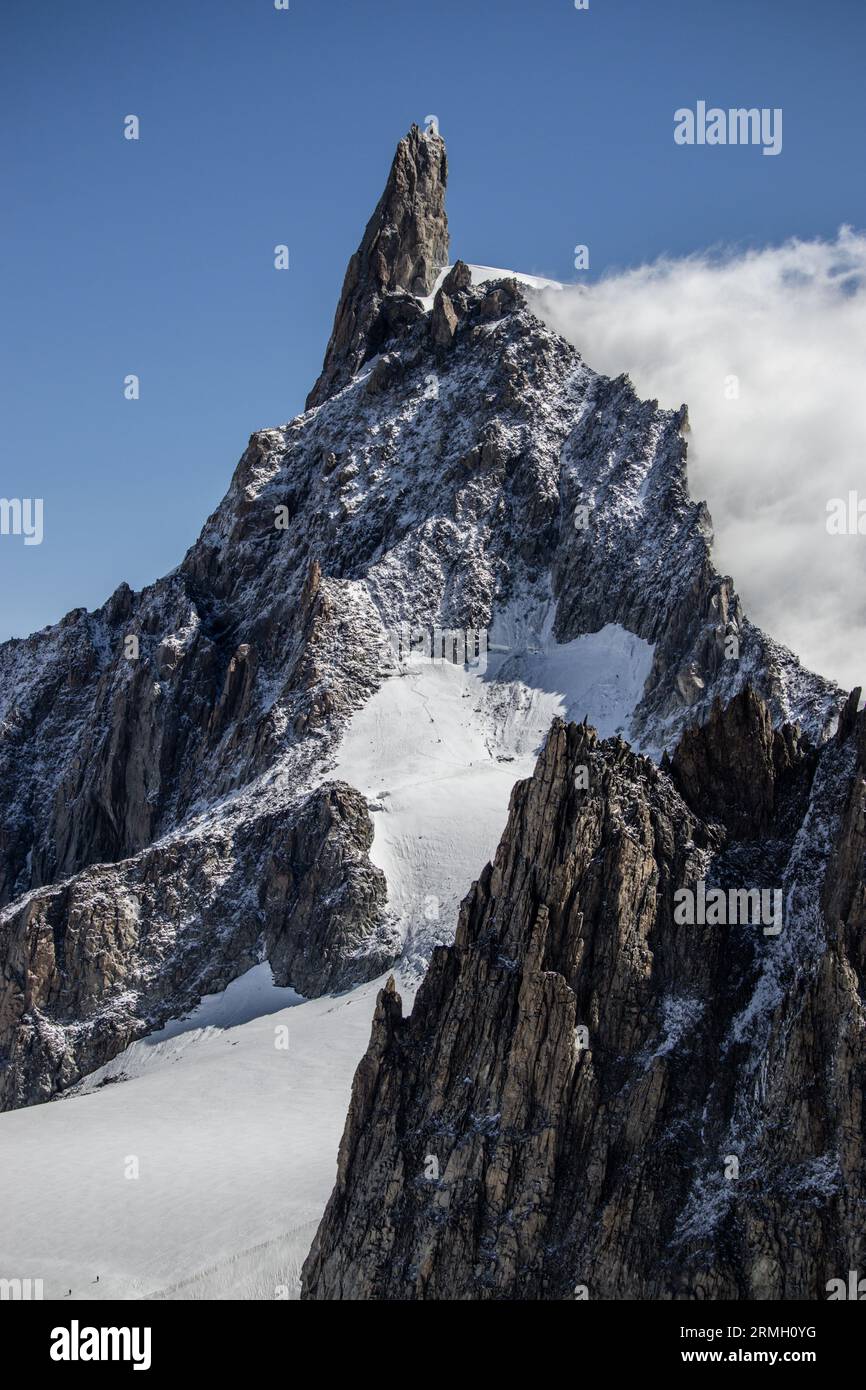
{"points": [[704, 1137]]}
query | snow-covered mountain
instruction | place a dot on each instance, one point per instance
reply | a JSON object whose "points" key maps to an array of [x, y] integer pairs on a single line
{"points": [[255, 759]]}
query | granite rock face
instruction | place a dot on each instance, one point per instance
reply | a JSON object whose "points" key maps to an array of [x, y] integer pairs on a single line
{"points": [[589, 1099], [94, 963], [403, 249], [734, 768]]}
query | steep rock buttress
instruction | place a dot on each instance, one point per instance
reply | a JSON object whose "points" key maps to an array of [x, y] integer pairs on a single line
{"points": [[590, 1099], [401, 254]]}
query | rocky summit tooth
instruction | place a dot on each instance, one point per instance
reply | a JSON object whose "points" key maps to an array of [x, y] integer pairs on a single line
{"points": [[402, 251]]}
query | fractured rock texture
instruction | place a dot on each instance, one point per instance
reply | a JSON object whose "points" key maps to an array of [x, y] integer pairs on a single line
{"points": [[401, 254], [559, 1166]]}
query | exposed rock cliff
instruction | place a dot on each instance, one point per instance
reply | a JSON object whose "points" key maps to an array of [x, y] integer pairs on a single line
{"points": [[401, 254], [109, 955], [704, 1137]]}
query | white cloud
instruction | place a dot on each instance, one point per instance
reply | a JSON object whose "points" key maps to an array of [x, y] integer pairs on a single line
{"points": [[789, 323]]}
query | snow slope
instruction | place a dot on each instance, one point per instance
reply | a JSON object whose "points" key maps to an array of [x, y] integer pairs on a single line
{"points": [[484, 274], [481, 274], [236, 1142], [438, 748]]}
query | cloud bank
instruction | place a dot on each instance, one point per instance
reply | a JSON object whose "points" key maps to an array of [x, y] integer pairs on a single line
{"points": [[768, 348]]}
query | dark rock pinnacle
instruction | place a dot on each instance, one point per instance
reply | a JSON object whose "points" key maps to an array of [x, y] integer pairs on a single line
{"points": [[403, 249]]}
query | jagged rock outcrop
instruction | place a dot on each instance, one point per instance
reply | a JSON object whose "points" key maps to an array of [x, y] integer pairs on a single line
{"points": [[401, 254], [732, 768], [96, 962], [844, 900], [492, 1151], [443, 321]]}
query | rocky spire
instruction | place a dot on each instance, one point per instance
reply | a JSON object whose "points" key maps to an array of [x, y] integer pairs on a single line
{"points": [[401, 253]]}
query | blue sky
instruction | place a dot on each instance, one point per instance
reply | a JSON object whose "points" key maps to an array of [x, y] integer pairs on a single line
{"points": [[260, 127]]}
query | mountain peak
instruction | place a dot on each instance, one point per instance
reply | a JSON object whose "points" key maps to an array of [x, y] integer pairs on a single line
{"points": [[402, 251]]}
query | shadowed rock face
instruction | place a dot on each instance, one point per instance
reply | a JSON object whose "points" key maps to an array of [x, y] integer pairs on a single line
{"points": [[489, 1155], [402, 252], [734, 768], [115, 952]]}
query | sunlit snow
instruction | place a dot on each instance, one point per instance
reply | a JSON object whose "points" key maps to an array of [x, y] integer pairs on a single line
{"points": [[235, 1140], [438, 749]]}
